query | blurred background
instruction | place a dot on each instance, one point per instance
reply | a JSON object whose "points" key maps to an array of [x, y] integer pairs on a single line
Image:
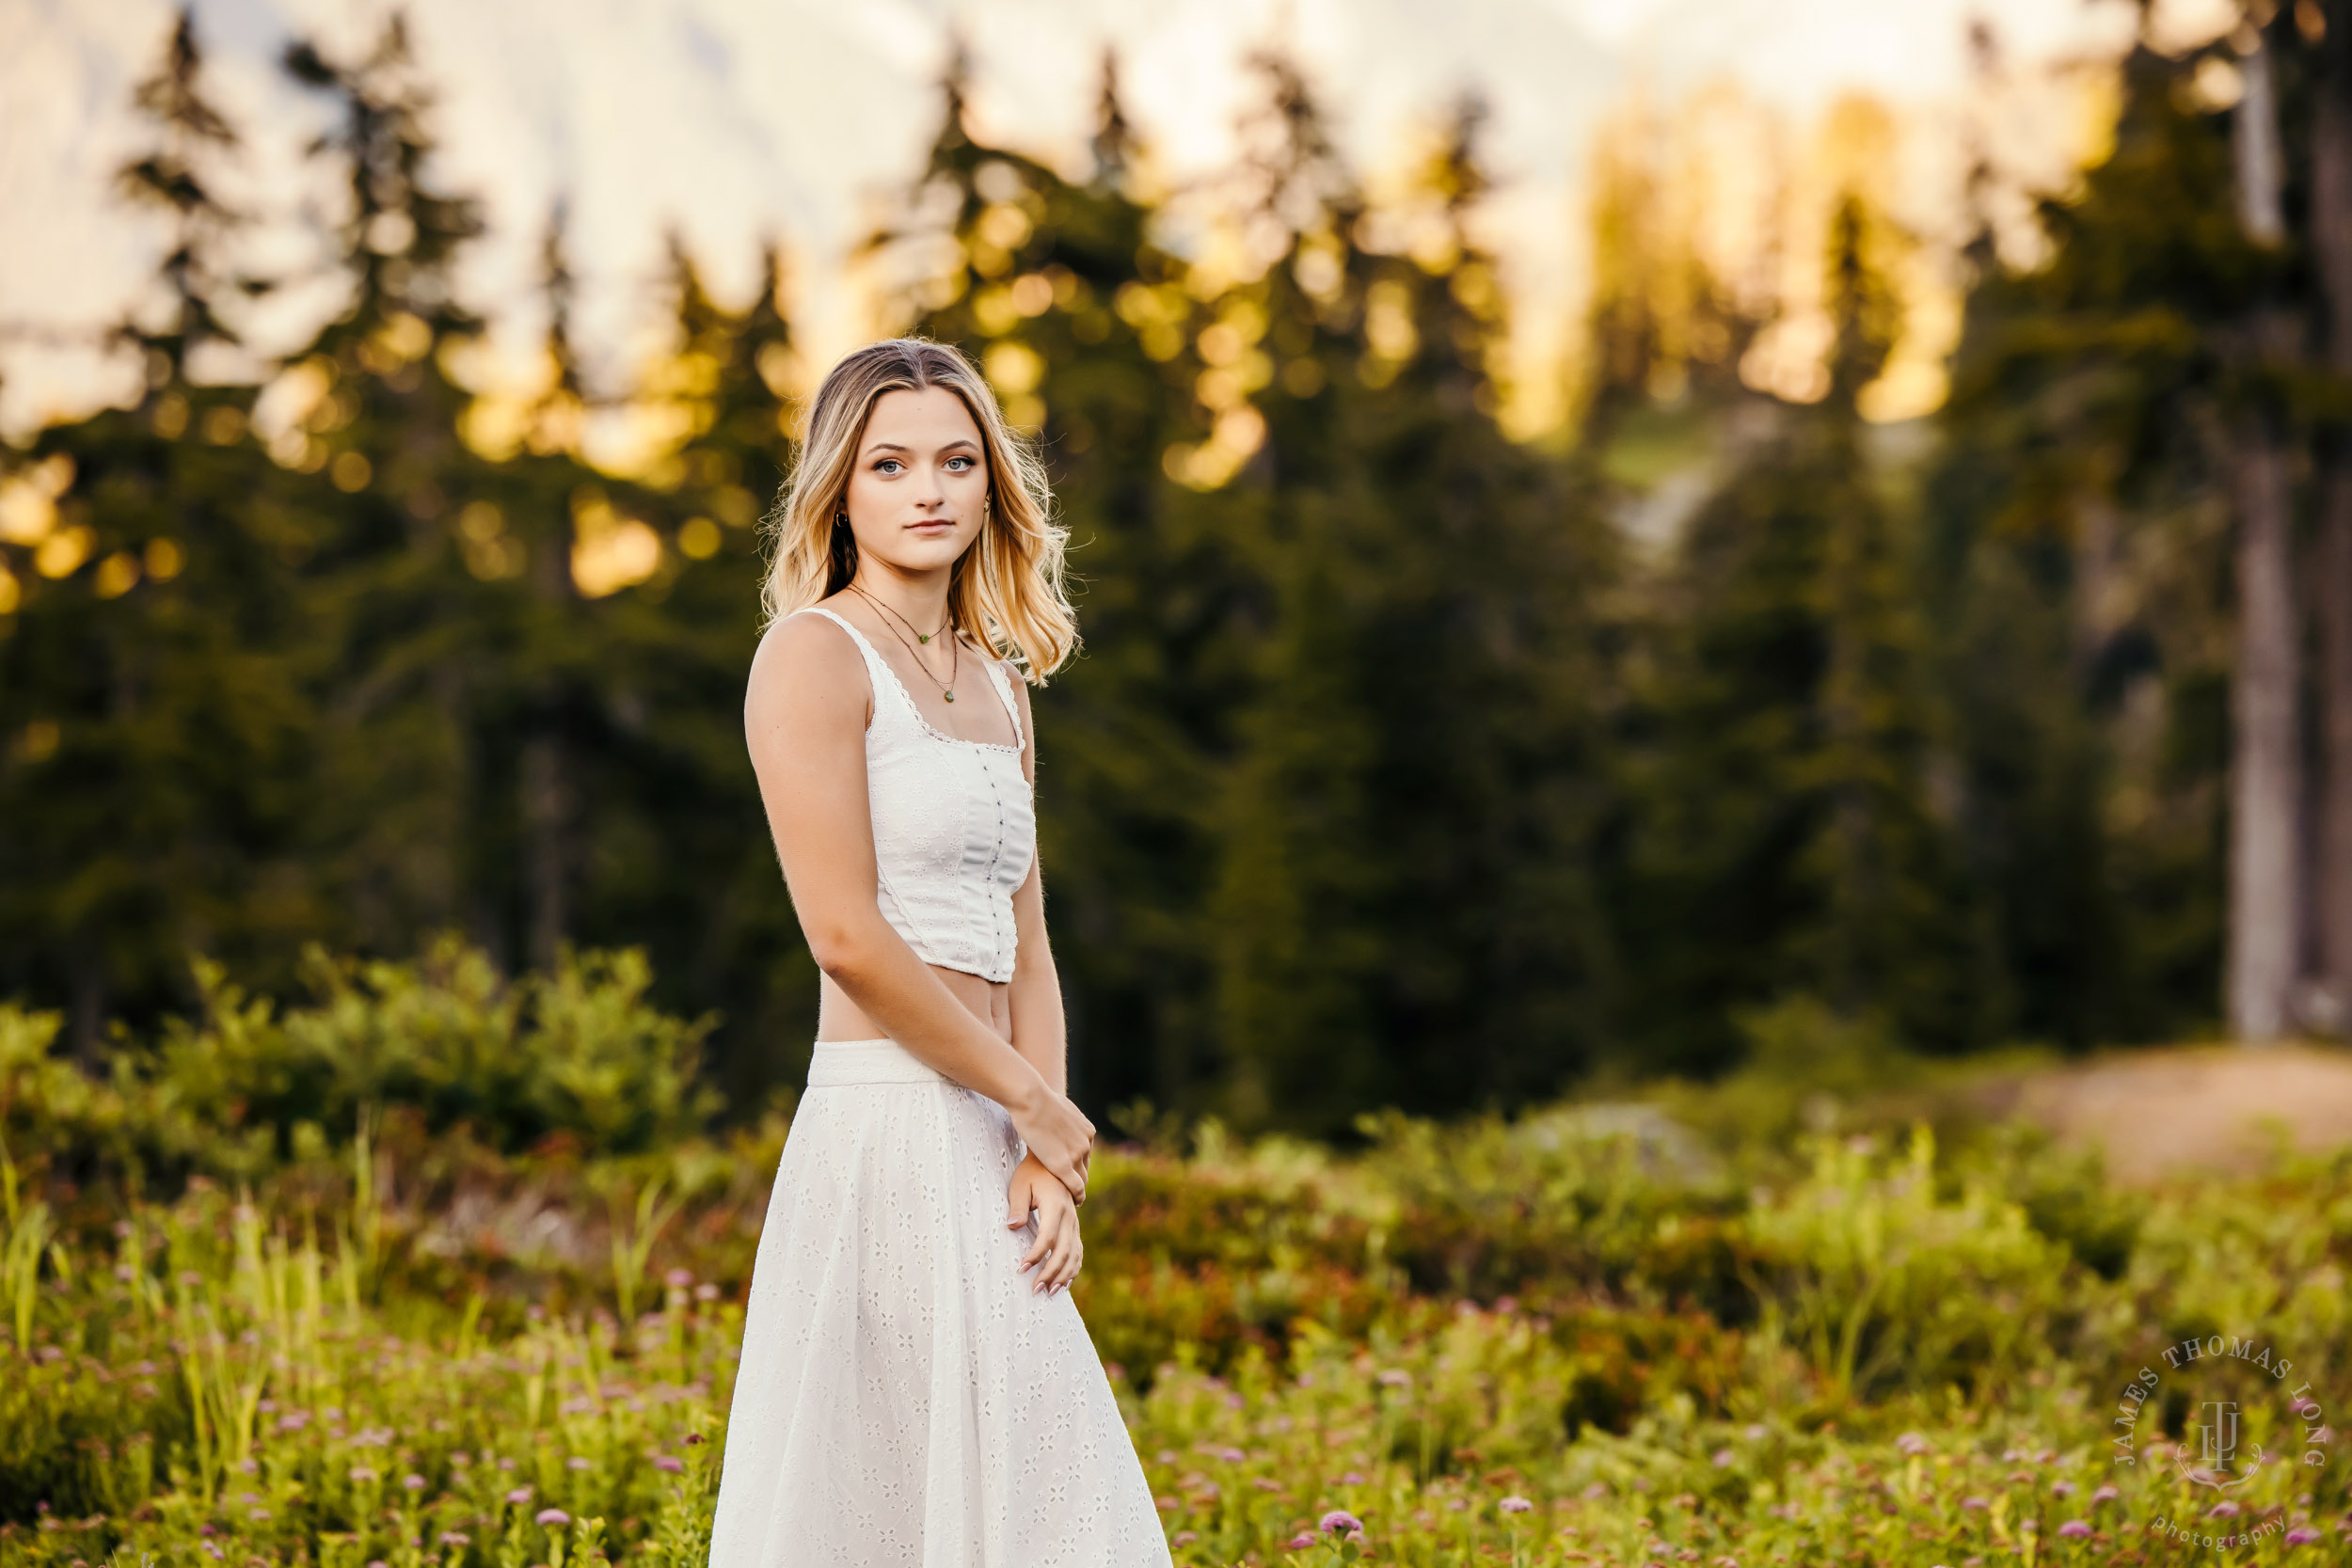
{"points": [[1613, 539]]}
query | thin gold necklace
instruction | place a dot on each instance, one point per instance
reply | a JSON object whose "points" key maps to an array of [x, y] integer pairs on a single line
{"points": [[955, 666]]}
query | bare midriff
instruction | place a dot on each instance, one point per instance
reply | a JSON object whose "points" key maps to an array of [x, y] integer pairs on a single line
{"points": [[840, 1019]]}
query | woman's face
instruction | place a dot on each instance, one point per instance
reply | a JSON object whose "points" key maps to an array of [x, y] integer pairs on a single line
{"points": [[916, 493]]}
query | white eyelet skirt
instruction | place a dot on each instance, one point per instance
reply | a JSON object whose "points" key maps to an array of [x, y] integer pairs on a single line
{"points": [[904, 1398]]}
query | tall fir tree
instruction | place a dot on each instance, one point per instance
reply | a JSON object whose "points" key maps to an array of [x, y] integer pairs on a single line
{"points": [[157, 667], [398, 779], [1404, 907], [2083, 507], [1785, 839]]}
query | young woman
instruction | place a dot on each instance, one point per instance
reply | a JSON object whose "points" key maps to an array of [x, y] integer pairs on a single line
{"points": [[915, 1385]]}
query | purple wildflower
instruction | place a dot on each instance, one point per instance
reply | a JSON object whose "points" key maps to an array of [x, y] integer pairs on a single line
{"points": [[2106, 1494], [413, 1482], [1301, 1541], [1515, 1505], [361, 1474], [551, 1516], [2223, 1511], [1339, 1519], [2301, 1535], [669, 1461], [2074, 1530], [455, 1538], [522, 1495]]}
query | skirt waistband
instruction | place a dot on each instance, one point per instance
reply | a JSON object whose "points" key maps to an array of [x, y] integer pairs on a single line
{"points": [[837, 1064]]}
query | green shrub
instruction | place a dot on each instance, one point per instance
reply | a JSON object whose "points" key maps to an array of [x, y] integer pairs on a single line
{"points": [[242, 1089], [1883, 1280]]}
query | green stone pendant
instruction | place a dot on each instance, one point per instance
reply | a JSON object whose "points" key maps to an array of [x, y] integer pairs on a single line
{"points": [[922, 637], [949, 695]]}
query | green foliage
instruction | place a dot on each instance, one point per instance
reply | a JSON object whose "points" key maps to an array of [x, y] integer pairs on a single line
{"points": [[1388, 775], [1921, 1372], [581, 1054]]}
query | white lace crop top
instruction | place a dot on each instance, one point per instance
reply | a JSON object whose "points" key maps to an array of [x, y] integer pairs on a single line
{"points": [[955, 827]]}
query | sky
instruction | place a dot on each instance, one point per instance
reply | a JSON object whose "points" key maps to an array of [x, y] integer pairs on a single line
{"points": [[729, 121]]}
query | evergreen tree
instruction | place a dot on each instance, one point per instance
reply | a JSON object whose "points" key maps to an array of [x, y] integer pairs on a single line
{"points": [[398, 779], [156, 667], [1403, 906], [687, 873], [1784, 841], [2079, 508]]}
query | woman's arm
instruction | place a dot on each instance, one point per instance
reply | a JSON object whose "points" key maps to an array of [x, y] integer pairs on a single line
{"points": [[804, 717], [1040, 1035], [1039, 1031]]}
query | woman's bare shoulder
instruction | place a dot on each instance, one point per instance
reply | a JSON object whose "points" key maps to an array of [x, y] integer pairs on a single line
{"points": [[809, 664]]}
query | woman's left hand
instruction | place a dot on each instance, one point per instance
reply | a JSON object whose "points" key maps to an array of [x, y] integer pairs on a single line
{"points": [[1057, 1252]]}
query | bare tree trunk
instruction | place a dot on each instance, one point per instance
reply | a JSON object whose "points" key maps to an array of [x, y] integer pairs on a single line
{"points": [[87, 1018], [2332, 602], [546, 781], [2098, 581], [2265, 782], [2331, 588], [546, 823]]}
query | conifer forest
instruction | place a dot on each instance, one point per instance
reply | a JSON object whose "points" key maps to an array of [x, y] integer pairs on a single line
{"points": [[1393, 769], [1535, 904]]}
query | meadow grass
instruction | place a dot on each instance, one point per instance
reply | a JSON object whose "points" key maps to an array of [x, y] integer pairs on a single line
{"points": [[305, 1373], [1575, 1336]]}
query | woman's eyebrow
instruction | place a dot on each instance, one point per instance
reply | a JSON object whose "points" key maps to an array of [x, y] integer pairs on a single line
{"points": [[892, 445]]}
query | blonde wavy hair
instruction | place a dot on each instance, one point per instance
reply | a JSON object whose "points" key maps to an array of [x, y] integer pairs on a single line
{"points": [[1006, 587]]}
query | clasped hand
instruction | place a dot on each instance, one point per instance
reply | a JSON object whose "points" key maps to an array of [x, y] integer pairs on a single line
{"points": [[1051, 1182], [1060, 1138]]}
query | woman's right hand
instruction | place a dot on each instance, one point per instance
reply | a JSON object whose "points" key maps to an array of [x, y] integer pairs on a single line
{"points": [[1059, 1137]]}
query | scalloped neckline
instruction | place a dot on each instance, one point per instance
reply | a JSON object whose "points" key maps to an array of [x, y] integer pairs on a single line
{"points": [[874, 658]]}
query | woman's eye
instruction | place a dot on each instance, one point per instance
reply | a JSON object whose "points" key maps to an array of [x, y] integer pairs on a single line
{"points": [[886, 463], [965, 461]]}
